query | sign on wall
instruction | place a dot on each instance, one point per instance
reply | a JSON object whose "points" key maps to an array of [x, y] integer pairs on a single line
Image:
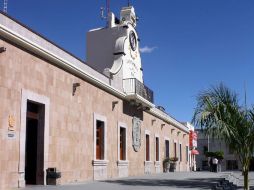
{"points": [[193, 139], [11, 127], [11, 121], [136, 133]]}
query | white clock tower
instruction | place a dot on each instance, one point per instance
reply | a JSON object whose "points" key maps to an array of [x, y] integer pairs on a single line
{"points": [[114, 50]]}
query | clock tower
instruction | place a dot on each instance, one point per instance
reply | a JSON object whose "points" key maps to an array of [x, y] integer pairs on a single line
{"points": [[114, 50]]}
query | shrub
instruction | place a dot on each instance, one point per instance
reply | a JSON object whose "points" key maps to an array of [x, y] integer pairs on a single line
{"points": [[218, 154], [166, 160], [173, 159]]}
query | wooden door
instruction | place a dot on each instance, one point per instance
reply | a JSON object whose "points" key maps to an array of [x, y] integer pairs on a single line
{"points": [[157, 149], [147, 148], [34, 151], [167, 148], [99, 141], [122, 144], [175, 150]]}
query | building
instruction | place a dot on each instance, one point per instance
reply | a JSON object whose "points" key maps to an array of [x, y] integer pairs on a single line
{"points": [[89, 120], [208, 144], [193, 152]]}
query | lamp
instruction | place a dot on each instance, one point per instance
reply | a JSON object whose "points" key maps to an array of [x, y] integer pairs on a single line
{"points": [[146, 108], [114, 104], [2, 49], [139, 106], [132, 102], [74, 87]]}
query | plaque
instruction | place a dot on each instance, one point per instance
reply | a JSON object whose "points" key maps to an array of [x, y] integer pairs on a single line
{"points": [[11, 135], [136, 133], [11, 123]]}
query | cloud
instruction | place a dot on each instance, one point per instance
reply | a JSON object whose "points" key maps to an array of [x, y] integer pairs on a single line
{"points": [[147, 49]]}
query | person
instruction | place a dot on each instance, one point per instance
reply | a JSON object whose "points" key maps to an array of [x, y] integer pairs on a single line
{"points": [[210, 164], [219, 165], [215, 164]]}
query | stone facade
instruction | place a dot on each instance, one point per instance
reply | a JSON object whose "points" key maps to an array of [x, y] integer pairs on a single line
{"points": [[205, 143], [69, 142]]}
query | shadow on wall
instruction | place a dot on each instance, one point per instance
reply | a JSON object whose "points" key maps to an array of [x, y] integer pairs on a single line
{"points": [[132, 110]]}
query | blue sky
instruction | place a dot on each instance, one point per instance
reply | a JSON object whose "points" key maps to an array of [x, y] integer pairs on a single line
{"points": [[194, 43]]}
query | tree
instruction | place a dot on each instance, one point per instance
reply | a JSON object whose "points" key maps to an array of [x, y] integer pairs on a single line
{"points": [[218, 111], [218, 154]]}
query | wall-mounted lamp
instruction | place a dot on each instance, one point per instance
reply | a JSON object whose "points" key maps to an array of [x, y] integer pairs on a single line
{"points": [[2, 49], [153, 120], [132, 102], [184, 135], [178, 133], [162, 125], [74, 87], [146, 108], [114, 104], [139, 106], [172, 130]]}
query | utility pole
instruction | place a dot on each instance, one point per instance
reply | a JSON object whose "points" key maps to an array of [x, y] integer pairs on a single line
{"points": [[108, 7]]}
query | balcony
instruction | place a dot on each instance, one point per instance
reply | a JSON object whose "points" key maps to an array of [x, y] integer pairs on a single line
{"points": [[136, 90]]}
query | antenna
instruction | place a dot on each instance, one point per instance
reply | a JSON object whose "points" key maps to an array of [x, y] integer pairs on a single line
{"points": [[129, 3], [5, 6], [108, 6], [102, 13], [245, 97], [107, 10]]}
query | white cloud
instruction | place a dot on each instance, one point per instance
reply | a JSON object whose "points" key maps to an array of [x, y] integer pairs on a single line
{"points": [[147, 49]]}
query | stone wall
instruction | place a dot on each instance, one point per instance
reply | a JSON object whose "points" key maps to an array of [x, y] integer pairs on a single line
{"points": [[71, 121], [214, 145]]}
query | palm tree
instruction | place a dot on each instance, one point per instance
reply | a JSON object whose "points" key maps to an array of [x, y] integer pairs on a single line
{"points": [[218, 111]]}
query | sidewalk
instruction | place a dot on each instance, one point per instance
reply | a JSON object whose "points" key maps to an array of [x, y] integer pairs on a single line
{"points": [[176, 180]]}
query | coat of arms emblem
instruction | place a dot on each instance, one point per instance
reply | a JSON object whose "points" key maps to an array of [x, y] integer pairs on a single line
{"points": [[136, 133]]}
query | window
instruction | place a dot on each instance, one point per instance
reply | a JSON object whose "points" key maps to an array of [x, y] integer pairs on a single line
{"points": [[99, 140], [122, 144], [147, 148], [232, 165], [205, 149], [205, 165], [187, 153], [157, 149], [180, 152], [175, 152], [167, 148], [230, 150]]}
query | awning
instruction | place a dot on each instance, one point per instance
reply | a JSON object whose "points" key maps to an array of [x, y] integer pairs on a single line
{"points": [[195, 152]]}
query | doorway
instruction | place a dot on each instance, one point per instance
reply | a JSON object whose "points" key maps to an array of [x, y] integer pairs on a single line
{"points": [[167, 148], [251, 164], [34, 148]]}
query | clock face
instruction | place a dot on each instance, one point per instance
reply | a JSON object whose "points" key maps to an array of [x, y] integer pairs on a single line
{"points": [[133, 41]]}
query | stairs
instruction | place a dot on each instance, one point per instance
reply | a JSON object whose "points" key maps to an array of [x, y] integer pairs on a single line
{"points": [[224, 184], [233, 181]]}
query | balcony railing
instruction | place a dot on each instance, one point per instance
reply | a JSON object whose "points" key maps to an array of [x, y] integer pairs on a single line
{"points": [[133, 86]]}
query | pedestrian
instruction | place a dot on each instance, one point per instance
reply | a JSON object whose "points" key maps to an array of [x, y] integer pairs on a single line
{"points": [[215, 164], [219, 165], [210, 164]]}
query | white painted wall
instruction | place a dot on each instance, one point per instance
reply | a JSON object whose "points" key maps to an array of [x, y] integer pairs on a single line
{"points": [[105, 45]]}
